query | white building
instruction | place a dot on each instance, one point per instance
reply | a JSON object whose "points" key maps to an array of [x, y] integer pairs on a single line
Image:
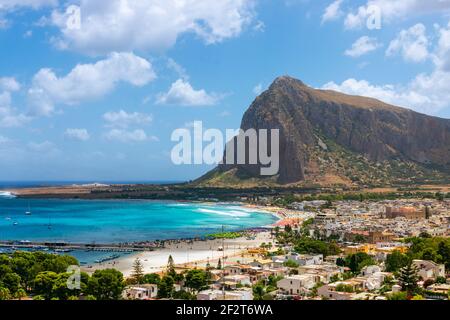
{"points": [[243, 295], [429, 269], [140, 292], [298, 284]]}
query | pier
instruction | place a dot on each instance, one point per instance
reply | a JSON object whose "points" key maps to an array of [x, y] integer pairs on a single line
{"points": [[66, 247]]}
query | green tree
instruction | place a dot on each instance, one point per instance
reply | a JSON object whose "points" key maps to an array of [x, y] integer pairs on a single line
{"points": [[20, 294], [398, 296], [395, 261], [11, 281], [152, 278], [219, 264], [291, 264], [138, 271], [170, 270], [408, 279], [165, 287], [196, 280], [258, 291], [444, 252], [4, 294], [43, 284], [106, 284], [358, 261]]}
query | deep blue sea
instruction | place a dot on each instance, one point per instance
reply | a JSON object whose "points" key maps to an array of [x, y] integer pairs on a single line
{"points": [[118, 221]]}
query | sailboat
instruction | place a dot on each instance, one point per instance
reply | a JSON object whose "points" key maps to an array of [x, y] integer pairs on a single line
{"points": [[49, 226], [28, 213]]}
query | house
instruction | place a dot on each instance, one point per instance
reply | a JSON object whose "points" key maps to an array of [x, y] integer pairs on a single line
{"points": [[329, 291], [242, 294], [298, 284], [302, 259], [324, 271], [234, 281], [262, 264], [441, 288], [346, 290], [140, 292], [429, 269], [237, 269], [370, 270]]}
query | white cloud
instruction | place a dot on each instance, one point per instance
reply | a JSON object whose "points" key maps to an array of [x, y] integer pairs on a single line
{"points": [[442, 56], [45, 148], [181, 93], [258, 89], [118, 25], [394, 9], [9, 116], [77, 134], [178, 69], [7, 5], [125, 136], [362, 46], [123, 119], [427, 92], [333, 11], [412, 44], [9, 84], [87, 81]]}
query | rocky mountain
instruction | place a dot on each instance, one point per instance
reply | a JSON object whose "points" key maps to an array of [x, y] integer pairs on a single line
{"points": [[329, 138]]}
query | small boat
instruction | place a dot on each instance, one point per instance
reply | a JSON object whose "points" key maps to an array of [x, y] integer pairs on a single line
{"points": [[28, 213], [7, 218], [15, 223]]}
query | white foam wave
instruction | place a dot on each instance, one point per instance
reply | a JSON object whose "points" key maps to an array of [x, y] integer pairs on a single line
{"points": [[230, 213], [6, 194]]}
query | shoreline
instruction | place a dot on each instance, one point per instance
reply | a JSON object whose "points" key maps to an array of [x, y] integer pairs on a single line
{"points": [[188, 254]]}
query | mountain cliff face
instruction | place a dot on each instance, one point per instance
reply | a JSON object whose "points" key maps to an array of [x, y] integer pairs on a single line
{"points": [[330, 138]]}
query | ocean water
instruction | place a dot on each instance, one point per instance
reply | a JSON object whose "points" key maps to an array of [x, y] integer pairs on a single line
{"points": [[118, 221]]}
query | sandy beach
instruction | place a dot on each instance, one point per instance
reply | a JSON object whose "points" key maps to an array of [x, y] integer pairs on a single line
{"points": [[188, 254]]}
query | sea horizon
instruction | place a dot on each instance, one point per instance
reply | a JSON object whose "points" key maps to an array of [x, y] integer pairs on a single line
{"points": [[20, 184]]}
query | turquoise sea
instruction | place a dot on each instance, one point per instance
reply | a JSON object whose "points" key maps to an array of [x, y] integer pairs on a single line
{"points": [[118, 221]]}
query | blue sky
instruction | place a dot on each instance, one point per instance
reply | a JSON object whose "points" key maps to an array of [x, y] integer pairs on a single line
{"points": [[98, 101]]}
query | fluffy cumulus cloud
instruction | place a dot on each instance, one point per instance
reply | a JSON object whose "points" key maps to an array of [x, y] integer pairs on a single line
{"points": [[333, 11], [87, 81], [126, 136], [393, 9], [362, 46], [183, 94], [442, 56], [77, 134], [123, 119], [412, 44], [127, 25], [427, 92], [9, 84], [10, 116]]}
